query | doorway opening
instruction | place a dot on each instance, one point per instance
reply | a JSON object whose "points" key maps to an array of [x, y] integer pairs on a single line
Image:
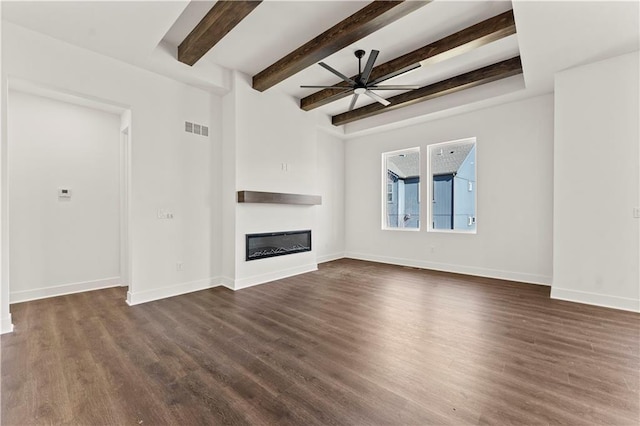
{"points": [[68, 193]]}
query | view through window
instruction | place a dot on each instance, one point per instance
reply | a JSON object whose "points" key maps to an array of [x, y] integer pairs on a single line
{"points": [[452, 182], [401, 171]]}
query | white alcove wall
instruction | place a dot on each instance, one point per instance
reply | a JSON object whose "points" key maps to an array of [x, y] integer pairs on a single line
{"points": [[62, 244]]}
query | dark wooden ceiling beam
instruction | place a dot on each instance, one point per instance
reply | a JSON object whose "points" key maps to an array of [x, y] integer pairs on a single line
{"points": [[463, 41], [362, 23], [222, 18], [468, 80]]}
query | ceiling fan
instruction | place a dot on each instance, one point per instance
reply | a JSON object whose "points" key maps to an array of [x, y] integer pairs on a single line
{"points": [[361, 85]]}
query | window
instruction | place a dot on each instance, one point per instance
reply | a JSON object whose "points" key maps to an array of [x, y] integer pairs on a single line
{"points": [[401, 180], [452, 186]]}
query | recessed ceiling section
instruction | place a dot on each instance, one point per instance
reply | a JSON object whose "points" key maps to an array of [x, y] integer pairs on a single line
{"points": [[477, 58], [460, 82], [498, 92], [418, 29], [464, 41], [369, 19]]}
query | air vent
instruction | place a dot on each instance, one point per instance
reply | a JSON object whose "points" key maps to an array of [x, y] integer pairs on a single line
{"points": [[195, 128]]}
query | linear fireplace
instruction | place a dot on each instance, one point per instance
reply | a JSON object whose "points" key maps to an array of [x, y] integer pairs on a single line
{"points": [[260, 246]]}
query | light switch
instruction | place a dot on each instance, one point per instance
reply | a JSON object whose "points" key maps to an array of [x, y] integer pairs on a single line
{"points": [[164, 214], [636, 212]]}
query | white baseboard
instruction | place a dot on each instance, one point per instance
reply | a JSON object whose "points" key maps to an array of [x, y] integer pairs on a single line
{"points": [[615, 302], [170, 291], [330, 257], [61, 290], [241, 283], [227, 282], [457, 269], [6, 326]]}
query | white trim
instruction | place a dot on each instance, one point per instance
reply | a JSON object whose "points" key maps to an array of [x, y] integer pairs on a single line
{"points": [[125, 198], [454, 231], [61, 290], [604, 300], [171, 291], [227, 282], [330, 257], [456, 269], [241, 283], [5, 325]]}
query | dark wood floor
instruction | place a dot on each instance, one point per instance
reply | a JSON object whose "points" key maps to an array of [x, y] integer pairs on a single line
{"points": [[354, 343]]}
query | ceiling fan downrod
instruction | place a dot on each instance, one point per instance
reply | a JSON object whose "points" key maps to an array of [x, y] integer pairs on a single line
{"points": [[360, 54]]}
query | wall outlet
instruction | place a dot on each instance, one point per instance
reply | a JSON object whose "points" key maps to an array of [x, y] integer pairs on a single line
{"points": [[636, 212], [179, 266]]}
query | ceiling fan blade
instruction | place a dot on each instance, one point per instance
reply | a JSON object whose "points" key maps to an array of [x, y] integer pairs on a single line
{"points": [[367, 68], [336, 72], [377, 98], [353, 101], [400, 87], [326, 87], [396, 73]]}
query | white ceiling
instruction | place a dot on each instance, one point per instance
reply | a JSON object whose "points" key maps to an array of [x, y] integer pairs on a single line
{"points": [[551, 36], [555, 36], [125, 30]]}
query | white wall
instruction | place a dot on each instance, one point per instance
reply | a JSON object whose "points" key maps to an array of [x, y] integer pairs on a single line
{"points": [[597, 184], [329, 239], [263, 132], [228, 178], [269, 130], [515, 195], [171, 169], [60, 245], [6, 325]]}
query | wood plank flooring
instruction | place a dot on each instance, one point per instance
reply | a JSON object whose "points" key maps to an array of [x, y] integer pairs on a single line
{"points": [[355, 343]]}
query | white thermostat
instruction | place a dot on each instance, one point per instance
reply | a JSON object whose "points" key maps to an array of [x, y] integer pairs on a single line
{"points": [[64, 192]]}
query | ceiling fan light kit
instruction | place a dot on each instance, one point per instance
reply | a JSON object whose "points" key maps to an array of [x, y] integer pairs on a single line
{"points": [[361, 84]]}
